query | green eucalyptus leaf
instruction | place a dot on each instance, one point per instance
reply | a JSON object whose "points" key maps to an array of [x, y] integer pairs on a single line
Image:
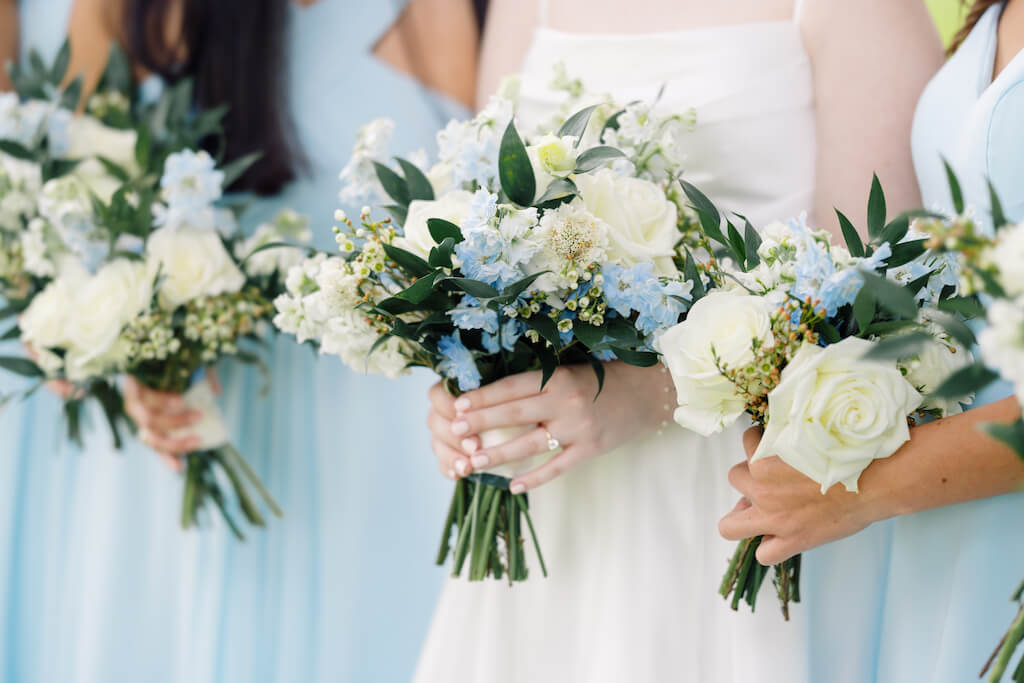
{"points": [[441, 229], [1013, 436], [691, 274], [905, 252], [965, 381], [710, 219], [967, 306], [954, 327], [751, 241], [998, 215], [72, 94], [894, 298], [737, 245], [21, 366], [548, 363], [895, 231], [61, 62], [408, 261], [557, 189], [640, 359], [955, 192], [398, 213], [480, 290], [899, 347], [891, 327], [512, 292], [441, 255], [514, 168], [546, 327], [596, 157], [853, 242], [828, 331], [118, 73], [590, 335], [598, 367], [864, 309], [418, 185], [876, 208], [418, 291], [16, 150], [237, 168], [576, 124], [13, 333]]}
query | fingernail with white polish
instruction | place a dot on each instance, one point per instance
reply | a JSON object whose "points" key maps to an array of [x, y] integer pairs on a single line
{"points": [[470, 445], [460, 428], [460, 467], [462, 404], [480, 461], [451, 474], [516, 489]]}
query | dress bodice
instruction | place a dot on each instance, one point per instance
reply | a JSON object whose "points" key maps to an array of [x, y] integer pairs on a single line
{"points": [[974, 122], [753, 148]]}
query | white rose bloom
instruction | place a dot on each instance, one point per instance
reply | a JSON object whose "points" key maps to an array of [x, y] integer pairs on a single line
{"points": [[44, 324], [1002, 342], [834, 412], [108, 301], [440, 177], [726, 323], [350, 337], [192, 263], [642, 220], [91, 139], [453, 207], [936, 362], [552, 156], [1008, 256]]}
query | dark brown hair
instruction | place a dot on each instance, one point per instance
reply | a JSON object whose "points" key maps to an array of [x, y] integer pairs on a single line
{"points": [[974, 14], [235, 51]]}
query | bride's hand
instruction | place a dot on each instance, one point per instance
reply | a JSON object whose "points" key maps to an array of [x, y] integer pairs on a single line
{"points": [[788, 508], [634, 402], [158, 415]]}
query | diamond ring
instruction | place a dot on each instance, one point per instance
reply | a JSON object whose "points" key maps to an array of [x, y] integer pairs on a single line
{"points": [[553, 443]]}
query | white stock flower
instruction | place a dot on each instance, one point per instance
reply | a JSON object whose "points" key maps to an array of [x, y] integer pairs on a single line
{"points": [[107, 301], [192, 263], [1008, 257], [350, 336], [453, 207], [725, 325], [833, 412], [935, 363], [359, 177], [641, 220], [287, 226], [1002, 342]]}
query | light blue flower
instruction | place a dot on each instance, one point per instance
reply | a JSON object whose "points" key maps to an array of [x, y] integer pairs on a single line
{"points": [[659, 308], [481, 254], [458, 363], [625, 288], [470, 315], [191, 181], [482, 208], [511, 332]]}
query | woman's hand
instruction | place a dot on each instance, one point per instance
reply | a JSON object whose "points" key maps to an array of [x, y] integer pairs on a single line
{"points": [[634, 402], [788, 508], [158, 415]]}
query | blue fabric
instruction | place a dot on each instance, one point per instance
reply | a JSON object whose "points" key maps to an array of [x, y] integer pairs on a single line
{"points": [[97, 581], [952, 570]]}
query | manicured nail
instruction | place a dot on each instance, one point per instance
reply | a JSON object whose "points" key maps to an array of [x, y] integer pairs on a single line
{"points": [[451, 474], [460, 428], [516, 489], [470, 445], [462, 405], [480, 461], [460, 467]]}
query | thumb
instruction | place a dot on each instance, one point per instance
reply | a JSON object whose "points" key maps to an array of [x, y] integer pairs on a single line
{"points": [[751, 440]]}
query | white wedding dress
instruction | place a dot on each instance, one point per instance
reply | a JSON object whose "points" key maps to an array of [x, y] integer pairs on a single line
{"points": [[630, 538]]}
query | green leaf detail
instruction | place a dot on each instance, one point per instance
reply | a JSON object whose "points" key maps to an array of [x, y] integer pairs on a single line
{"points": [[514, 168]]}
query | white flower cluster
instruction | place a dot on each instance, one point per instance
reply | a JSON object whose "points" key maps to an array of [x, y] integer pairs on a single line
{"points": [[468, 150], [27, 123], [655, 143], [359, 178], [287, 226]]}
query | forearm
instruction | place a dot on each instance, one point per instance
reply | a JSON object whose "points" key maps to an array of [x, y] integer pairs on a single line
{"points": [[946, 462], [8, 39], [646, 395]]}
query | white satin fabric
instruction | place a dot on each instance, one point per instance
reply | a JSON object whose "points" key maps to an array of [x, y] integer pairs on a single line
{"points": [[630, 538]]}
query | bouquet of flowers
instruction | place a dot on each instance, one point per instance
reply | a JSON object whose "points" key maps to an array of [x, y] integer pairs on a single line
{"points": [[832, 350], [121, 258], [992, 266], [505, 256]]}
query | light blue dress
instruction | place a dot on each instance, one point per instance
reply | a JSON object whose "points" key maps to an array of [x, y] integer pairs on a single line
{"points": [[952, 570], [97, 581]]}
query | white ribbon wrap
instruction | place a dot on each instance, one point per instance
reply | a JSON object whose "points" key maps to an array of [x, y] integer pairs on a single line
{"points": [[211, 430], [496, 437]]}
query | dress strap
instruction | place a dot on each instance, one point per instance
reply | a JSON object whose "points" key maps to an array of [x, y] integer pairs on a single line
{"points": [[798, 8], [543, 7]]}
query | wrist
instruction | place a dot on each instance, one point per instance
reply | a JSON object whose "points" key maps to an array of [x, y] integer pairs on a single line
{"points": [[884, 485], [650, 391]]}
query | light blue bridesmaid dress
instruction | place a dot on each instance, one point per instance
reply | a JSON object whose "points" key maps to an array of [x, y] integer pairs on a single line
{"points": [[952, 570], [97, 581]]}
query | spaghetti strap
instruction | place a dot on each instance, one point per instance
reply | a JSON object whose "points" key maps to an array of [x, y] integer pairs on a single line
{"points": [[543, 7]]}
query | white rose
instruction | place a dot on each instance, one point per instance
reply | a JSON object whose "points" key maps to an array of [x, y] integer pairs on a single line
{"points": [[107, 301], [834, 412], [453, 207], [642, 220], [1008, 257], [192, 263], [44, 324], [726, 323], [553, 156], [934, 364], [91, 139]]}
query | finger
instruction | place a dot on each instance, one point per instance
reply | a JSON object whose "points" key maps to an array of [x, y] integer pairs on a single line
{"points": [[61, 388], [452, 463], [165, 444], [442, 401], [532, 443], [774, 550], [172, 461], [741, 480], [555, 467], [161, 401], [740, 524], [215, 386], [526, 411], [751, 439], [441, 428], [504, 390], [160, 423]]}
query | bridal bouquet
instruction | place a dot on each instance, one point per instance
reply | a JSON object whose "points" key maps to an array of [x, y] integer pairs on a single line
{"points": [[831, 350], [992, 265], [121, 259], [505, 256]]}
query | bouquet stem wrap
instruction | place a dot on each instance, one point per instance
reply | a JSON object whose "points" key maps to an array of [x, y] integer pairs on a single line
{"points": [[488, 522], [743, 578]]}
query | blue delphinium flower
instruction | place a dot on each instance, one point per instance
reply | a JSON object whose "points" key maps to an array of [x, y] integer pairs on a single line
{"points": [[191, 180], [639, 289], [659, 308], [458, 363], [511, 332], [624, 288], [470, 315]]}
